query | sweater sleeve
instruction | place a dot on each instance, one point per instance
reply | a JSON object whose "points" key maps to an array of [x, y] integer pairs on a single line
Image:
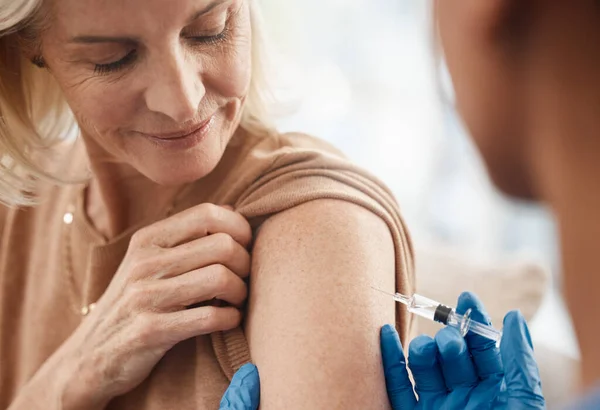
{"points": [[300, 175]]}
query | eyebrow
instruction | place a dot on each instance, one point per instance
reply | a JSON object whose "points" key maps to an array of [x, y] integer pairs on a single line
{"points": [[206, 10], [126, 40]]}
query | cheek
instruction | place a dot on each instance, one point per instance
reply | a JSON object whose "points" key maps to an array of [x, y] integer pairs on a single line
{"points": [[493, 117], [99, 106], [489, 93], [232, 77], [481, 82], [231, 71]]}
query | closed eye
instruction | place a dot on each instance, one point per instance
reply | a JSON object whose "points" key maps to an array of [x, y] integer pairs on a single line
{"points": [[116, 65], [214, 39]]}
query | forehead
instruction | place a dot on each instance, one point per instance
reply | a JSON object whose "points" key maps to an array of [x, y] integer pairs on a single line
{"points": [[122, 17]]}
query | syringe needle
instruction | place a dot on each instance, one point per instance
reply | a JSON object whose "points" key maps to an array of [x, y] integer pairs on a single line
{"points": [[398, 297], [383, 291]]}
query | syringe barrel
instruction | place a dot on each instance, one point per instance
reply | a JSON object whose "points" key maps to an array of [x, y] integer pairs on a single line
{"points": [[428, 308]]}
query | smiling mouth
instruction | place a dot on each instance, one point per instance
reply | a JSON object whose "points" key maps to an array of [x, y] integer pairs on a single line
{"points": [[180, 134]]}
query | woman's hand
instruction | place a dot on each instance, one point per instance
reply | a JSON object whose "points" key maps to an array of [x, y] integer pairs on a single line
{"points": [[451, 372], [192, 257]]}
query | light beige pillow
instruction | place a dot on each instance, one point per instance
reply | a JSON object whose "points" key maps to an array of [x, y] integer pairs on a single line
{"points": [[444, 273]]}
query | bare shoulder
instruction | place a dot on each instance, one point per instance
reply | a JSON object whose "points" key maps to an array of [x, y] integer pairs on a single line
{"points": [[313, 316], [327, 221]]}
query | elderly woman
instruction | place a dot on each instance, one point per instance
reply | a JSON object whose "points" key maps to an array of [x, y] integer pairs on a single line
{"points": [[125, 251]]}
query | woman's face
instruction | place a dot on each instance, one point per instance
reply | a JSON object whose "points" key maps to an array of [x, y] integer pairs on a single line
{"points": [[157, 84]]}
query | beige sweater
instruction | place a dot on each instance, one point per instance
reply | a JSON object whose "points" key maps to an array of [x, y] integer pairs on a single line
{"points": [[49, 269]]}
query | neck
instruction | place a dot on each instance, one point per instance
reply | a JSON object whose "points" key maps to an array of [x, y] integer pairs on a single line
{"points": [[567, 169], [119, 197]]}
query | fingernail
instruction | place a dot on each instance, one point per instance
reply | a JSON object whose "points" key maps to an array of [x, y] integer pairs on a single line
{"points": [[525, 328], [422, 351], [518, 320], [469, 300], [450, 342]]}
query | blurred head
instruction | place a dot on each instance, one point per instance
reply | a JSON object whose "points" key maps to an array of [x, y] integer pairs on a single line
{"points": [[522, 69], [160, 85]]}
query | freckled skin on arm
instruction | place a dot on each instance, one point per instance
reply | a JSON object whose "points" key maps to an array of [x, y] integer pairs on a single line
{"points": [[313, 319]]}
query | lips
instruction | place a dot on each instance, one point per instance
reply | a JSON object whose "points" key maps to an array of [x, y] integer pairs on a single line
{"points": [[180, 134], [182, 140]]}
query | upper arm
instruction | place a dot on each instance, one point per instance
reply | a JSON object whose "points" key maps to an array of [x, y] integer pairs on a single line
{"points": [[314, 319]]}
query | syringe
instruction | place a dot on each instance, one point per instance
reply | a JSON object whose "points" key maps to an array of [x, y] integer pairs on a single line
{"points": [[432, 310]]}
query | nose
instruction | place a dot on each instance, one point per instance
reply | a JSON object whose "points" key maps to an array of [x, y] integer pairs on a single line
{"points": [[176, 88]]}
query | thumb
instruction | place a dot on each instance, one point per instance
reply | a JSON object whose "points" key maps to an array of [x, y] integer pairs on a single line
{"points": [[244, 391], [399, 388], [523, 383]]}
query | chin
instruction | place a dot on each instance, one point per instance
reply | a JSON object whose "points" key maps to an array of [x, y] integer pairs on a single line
{"points": [[504, 154], [514, 181], [169, 168]]}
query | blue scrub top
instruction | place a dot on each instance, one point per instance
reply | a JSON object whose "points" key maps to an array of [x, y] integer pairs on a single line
{"points": [[590, 402]]}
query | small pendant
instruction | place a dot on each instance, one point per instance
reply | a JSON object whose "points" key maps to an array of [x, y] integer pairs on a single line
{"points": [[86, 310], [68, 218]]}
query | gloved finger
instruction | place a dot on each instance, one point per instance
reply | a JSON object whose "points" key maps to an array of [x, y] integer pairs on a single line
{"points": [[398, 384], [523, 382], [425, 367], [244, 391], [485, 354], [457, 367]]}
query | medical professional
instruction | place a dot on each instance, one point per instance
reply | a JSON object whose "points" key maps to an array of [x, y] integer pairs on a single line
{"points": [[527, 84]]}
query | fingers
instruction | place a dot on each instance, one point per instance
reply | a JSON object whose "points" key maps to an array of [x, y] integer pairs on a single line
{"points": [[398, 384], [486, 355], [197, 222], [215, 281], [185, 324], [425, 367], [218, 248], [244, 391], [523, 383], [457, 367]]}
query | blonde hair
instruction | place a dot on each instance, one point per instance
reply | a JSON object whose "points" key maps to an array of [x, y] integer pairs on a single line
{"points": [[35, 118]]}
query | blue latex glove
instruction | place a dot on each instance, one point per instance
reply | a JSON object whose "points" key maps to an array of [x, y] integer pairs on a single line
{"points": [[452, 372], [244, 391]]}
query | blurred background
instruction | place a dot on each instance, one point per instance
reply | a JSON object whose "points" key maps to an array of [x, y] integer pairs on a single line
{"points": [[364, 76]]}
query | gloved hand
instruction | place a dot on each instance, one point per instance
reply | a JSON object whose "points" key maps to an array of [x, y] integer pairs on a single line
{"points": [[244, 391], [452, 372]]}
